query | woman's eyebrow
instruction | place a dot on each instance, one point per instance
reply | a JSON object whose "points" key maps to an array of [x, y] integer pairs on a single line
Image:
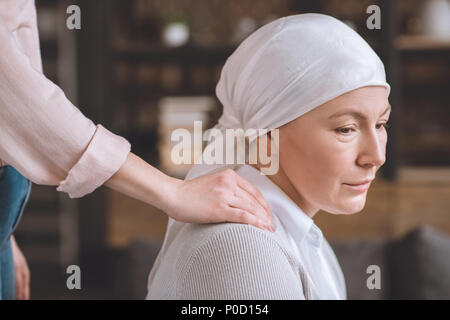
{"points": [[356, 113]]}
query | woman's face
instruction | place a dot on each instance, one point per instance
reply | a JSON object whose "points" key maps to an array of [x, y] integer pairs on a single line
{"points": [[338, 143]]}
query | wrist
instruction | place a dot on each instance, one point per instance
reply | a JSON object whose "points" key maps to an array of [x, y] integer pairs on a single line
{"points": [[167, 192], [139, 180]]}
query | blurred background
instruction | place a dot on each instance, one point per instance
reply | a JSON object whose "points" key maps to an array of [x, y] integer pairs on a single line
{"points": [[144, 67]]}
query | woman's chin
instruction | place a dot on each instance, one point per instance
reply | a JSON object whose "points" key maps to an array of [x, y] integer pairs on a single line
{"points": [[357, 206], [351, 206]]}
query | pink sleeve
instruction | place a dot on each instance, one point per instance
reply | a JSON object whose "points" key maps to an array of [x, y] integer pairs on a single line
{"points": [[42, 134]]}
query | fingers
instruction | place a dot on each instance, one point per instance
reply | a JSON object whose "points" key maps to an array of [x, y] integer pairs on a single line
{"points": [[18, 286], [219, 197], [22, 280], [249, 199], [241, 216], [22, 286], [254, 192], [250, 204], [26, 285]]}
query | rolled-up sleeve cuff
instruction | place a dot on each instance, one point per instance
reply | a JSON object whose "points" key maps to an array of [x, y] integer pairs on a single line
{"points": [[103, 157]]}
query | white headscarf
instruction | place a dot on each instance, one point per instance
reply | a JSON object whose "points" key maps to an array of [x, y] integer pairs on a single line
{"points": [[287, 68]]}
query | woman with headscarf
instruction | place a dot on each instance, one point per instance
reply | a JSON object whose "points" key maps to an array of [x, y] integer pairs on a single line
{"points": [[321, 91]]}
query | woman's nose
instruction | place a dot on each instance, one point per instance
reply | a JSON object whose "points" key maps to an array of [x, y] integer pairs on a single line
{"points": [[373, 150]]}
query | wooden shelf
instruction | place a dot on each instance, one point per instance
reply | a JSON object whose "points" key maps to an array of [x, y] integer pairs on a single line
{"points": [[424, 175], [419, 43], [187, 53], [130, 93]]}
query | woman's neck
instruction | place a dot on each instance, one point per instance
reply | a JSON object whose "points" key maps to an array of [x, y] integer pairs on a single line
{"points": [[284, 183]]}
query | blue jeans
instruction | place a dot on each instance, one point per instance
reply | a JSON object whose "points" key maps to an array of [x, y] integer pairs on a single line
{"points": [[14, 192]]}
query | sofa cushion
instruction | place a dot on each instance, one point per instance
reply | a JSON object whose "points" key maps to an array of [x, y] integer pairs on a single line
{"points": [[355, 256], [420, 265], [134, 266]]}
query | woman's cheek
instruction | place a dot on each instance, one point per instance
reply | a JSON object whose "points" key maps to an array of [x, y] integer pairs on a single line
{"points": [[332, 158], [330, 143]]}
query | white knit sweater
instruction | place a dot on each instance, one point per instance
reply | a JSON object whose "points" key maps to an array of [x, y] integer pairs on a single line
{"points": [[229, 261]]}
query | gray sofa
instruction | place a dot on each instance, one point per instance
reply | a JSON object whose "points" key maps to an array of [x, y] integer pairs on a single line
{"points": [[415, 266]]}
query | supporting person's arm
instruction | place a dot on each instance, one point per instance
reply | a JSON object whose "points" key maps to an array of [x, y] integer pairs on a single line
{"points": [[43, 135], [48, 140], [222, 196]]}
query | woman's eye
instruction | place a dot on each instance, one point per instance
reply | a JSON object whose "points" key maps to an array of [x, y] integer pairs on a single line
{"points": [[385, 125], [348, 130], [344, 130]]}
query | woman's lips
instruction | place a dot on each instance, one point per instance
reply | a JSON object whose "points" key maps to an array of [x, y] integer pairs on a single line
{"points": [[359, 187]]}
